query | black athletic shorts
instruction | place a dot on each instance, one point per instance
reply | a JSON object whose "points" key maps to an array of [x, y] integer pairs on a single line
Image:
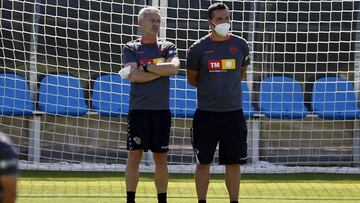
{"points": [[226, 128], [8, 160], [149, 129]]}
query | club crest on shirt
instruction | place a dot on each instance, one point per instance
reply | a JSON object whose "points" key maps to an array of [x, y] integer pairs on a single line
{"points": [[221, 65], [233, 50]]}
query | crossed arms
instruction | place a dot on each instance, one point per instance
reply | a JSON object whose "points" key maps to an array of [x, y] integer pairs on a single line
{"points": [[138, 75]]}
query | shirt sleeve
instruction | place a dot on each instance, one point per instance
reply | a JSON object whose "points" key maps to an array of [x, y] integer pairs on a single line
{"points": [[246, 60], [193, 59], [129, 54], [8, 160], [171, 51]]}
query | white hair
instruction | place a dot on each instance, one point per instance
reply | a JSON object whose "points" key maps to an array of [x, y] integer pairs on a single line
{"points": [[146, 10]]}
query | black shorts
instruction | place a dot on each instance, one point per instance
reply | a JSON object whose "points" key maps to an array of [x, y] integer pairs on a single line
{"points": [[226, 128], [149, 129]]}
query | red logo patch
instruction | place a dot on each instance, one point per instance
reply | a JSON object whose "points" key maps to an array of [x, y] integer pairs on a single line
{"points": [[233, 50], [214, 65]]}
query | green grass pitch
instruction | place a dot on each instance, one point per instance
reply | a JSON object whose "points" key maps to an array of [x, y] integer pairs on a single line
{"points": [[103, 187]]}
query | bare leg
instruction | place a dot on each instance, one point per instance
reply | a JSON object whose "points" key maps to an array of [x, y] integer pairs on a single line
{"points": [[202, 177], [161, 172], [232, 181], [132, 169]]}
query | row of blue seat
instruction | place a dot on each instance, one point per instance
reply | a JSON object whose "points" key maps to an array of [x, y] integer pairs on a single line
{"points": [[280, 97], [332, 98]]}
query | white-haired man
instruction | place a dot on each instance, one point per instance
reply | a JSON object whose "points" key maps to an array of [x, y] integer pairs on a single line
{"points": [[152, 61]]}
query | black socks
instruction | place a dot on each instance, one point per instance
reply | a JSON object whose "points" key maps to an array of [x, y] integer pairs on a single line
{"points": [[130, 197], [161, 197]]}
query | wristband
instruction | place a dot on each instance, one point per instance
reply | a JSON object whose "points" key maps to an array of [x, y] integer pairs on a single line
{"points": [[144, 66]]}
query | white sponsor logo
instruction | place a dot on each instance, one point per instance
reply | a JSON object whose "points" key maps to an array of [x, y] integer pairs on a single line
{"points": [[4, 164], [137, 140], [196, 153], [172, 51], [215, 65]]}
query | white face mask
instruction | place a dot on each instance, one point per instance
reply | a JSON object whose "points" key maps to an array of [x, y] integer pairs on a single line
{"points": [[222, 29]]}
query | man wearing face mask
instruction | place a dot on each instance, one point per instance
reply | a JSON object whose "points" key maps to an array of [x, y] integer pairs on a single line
{"points": [[216, 64]]}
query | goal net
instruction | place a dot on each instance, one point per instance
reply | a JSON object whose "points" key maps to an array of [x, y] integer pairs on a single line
{"points": [[65, 108]]}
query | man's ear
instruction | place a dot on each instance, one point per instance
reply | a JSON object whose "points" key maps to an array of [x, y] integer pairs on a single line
{"points": [[211, 24]]}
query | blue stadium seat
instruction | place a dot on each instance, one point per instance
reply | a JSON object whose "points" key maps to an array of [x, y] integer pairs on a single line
{"points": [[15, 99], [182, 97], [281, 97], [62, 95], [248, 108], [111, 95], [335, 98]]}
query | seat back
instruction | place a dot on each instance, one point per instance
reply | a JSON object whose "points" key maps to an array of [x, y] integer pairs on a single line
{"points": [[15, 98], [62, 95], [334, 98], [110, 96], [282, 97]]}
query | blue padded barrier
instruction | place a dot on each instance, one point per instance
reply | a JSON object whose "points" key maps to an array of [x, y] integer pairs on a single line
{"points": [[248, 108], [182, 97], [111, 95], [281, 97], [62, 95], [15, 99], [335, 98]]}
